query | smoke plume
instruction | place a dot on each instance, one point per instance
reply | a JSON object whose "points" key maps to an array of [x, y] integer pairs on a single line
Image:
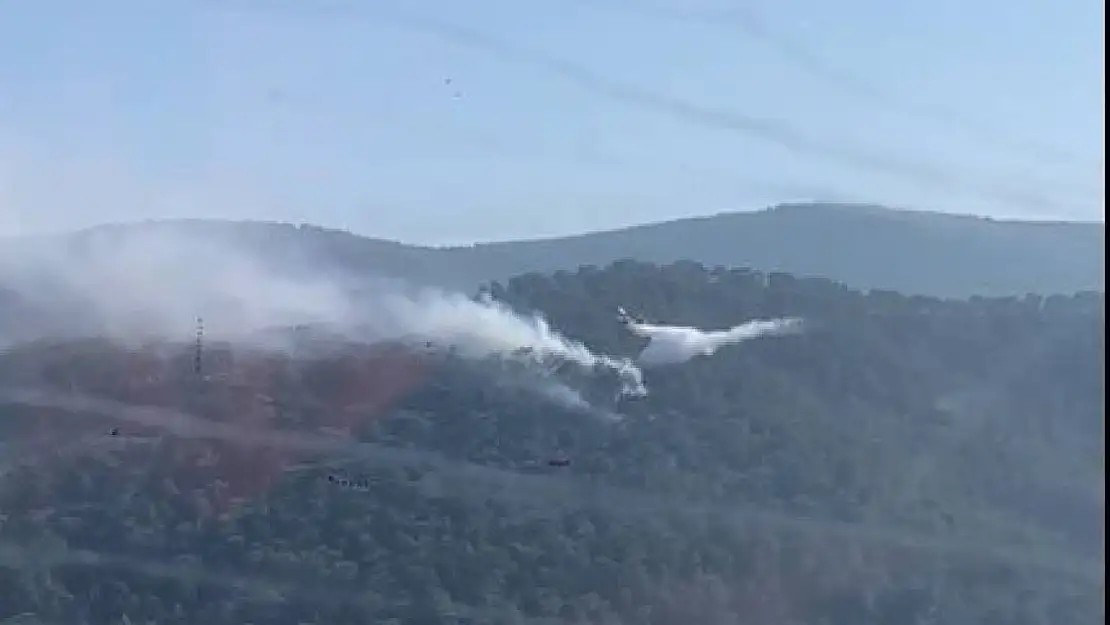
{"points": [[677, 344], [150, 282]]}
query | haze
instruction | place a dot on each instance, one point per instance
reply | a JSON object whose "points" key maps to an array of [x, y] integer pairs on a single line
{"points": [[506, 120]]}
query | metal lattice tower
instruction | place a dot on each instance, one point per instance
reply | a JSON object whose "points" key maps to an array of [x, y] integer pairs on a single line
{"points": [[198, 353]]}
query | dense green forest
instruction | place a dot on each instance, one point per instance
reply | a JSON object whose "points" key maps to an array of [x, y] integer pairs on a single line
{"points": [[904, 461]]}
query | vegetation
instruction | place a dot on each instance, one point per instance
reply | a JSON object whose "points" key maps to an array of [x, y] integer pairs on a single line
{"points": [[863, 246], [907, 460]]}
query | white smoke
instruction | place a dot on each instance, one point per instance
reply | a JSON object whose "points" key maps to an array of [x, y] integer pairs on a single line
{"points": [[677, 344], [480, 329], [153, 281]]}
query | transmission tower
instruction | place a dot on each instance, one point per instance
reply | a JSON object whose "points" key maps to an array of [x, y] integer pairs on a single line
{"points": [[198, 352]]}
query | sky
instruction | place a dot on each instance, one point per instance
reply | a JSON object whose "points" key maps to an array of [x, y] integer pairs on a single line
{"points": [[448, 122]]}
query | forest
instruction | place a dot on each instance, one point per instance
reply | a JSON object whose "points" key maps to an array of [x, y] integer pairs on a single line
{"points": [[905, 460]]}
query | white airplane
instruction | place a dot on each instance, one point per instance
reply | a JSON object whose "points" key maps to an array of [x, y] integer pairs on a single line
{"points": [[626, 319]]}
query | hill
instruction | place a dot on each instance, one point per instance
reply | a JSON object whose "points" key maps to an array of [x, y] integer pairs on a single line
{"points": [[905, 460], [862, 246]]}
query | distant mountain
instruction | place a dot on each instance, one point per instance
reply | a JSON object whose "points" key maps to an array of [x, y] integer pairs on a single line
{"points": [[865, 247], [862, 246]]}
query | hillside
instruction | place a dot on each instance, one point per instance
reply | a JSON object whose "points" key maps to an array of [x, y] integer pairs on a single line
{"points": [[906, 460], [864, 247]]}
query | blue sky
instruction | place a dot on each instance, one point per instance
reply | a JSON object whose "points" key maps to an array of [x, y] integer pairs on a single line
{"points": [[569, 115]]}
